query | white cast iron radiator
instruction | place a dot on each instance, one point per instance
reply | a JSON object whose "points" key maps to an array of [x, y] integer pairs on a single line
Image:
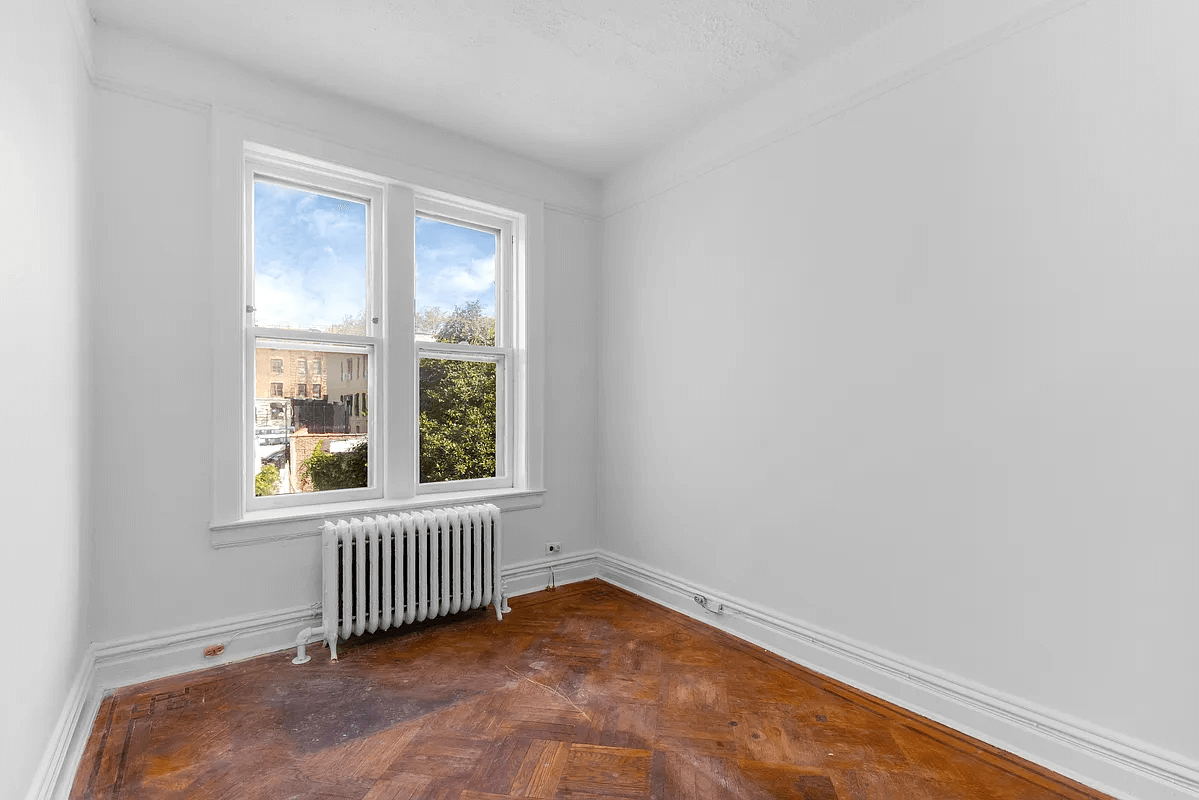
{"points": [[384, 571]]}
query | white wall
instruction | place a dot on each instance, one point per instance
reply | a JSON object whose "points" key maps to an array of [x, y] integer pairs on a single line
{"points": [[923, 373], [44, 98], [154, 567]]}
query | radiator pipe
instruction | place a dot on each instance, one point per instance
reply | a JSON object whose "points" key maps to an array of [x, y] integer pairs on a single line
{"points": [[706, 605], [302, 638]]}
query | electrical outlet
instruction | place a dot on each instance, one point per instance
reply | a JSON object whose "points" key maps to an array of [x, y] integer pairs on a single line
{"points": [[214, 650], [553, 548]]}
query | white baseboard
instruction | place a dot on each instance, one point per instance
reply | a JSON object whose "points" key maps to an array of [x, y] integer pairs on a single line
{"points": [[1107, 761], [533, 576], [145, 658], [1099, 758], [70, 734]]}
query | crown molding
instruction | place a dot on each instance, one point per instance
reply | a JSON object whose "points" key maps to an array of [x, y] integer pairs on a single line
{"points": [[918, 44], [83, 25]]}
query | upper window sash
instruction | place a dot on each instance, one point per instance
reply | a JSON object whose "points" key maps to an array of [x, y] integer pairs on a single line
{"points": [[466, 215], [331, 183]]}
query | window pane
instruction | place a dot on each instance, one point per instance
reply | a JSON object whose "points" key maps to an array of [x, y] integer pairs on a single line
{"points": [[289, 426], [457, 420], [309, 260], [455, 283]]}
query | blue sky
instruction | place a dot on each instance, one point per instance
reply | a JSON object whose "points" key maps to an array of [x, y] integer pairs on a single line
{"points": [[310, 260], [309, 257], [454, 265]]}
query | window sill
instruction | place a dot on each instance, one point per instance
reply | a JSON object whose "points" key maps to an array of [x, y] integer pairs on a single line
{"points": [[299, 523]]}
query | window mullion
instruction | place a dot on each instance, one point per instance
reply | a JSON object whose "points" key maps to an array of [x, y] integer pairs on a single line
{"points": [[399, 345]]}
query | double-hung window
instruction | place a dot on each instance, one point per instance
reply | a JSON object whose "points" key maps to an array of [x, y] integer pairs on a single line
{"points": [[410, 299], [463, 366], [314, 271]]}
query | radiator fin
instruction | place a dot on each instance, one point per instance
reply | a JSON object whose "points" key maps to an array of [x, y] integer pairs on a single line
{"points": [[380, 572]]}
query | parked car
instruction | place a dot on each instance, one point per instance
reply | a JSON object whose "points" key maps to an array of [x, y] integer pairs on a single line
{"points": [[278, 458], [271, 435]]}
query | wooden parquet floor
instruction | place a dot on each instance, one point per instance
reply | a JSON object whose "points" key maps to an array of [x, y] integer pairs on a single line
{"points": [[584, 692]]}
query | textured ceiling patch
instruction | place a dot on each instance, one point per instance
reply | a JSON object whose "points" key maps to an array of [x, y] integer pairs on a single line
{"points": [[588, 85]]}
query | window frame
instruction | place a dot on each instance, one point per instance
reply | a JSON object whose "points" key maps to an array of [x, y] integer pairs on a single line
{"points": [[328, 181], [502, 353], [236, 137]]}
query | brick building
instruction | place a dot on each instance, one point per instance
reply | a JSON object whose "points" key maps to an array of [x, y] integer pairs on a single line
{"points": [[313, 375], [291, 373], [346, 382]]}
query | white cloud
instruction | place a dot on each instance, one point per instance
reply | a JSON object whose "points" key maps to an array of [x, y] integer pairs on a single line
{"points": [[456, 283], [282, 301], [333, 223]]}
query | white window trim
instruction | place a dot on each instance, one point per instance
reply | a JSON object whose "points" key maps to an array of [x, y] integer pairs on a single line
{"points": [[410, 187], [333, 182], [502, 354]]}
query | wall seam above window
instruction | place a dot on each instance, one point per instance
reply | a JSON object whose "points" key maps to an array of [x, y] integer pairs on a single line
{"points": [[199, 107], [158, 71]]}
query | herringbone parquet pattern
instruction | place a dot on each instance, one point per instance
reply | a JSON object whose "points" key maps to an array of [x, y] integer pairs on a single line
{"points": [[587, 692]]}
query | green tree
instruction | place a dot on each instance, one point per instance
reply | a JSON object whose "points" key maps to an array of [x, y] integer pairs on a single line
{"points": [[468, 325], [352, 324], [429, 320], [458, 404], [266, 482], [327, 471]]}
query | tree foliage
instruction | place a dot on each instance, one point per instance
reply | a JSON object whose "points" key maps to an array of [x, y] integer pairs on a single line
{"points": [[430, 320], [266, 482], [351, 324], [458, 404], [457, 420], [328, 471], [468, 325]]}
